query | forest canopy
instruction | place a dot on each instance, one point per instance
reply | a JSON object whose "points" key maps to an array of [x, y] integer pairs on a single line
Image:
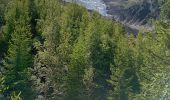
{"points": [[53, 50]]}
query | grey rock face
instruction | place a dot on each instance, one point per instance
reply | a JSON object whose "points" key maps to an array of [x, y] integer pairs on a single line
{"points": [[134, 14], [133, 11]]}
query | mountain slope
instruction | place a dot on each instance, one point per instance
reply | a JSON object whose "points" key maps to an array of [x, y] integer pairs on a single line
{"points": [[133, 14], [136, 14]]}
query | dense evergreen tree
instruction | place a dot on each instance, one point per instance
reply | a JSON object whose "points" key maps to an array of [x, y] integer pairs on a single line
{"points": [[3, 6], [78, 63], [46, 63], [4, 35], [73, 24], [10, 17], [2, 86], [65, 52], [100, 47], [18, 57], [79, 59], [156, 59], [154, 75], [124, 79]]}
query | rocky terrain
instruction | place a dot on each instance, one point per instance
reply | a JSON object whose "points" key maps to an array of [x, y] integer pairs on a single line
{"points": [[133, 11], [136, 14]]}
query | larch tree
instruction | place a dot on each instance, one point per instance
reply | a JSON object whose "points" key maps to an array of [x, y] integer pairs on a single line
{"points": [[9, 18], [18, 58], [47, 70], [101, 51]]}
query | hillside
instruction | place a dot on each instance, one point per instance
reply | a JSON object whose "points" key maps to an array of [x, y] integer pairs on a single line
{"points": [[131, 11], [57, 50], [135, 15]]}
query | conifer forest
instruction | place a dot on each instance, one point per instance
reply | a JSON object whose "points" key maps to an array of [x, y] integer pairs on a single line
{"points": [[84, 49]]}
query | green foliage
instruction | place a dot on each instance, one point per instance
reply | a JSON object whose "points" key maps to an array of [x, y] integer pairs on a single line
{"points": [[101, 49], [157, 59], [67, 53], [166, 10], [2, 86], [2, 10], [124, 79], [78, 63], [46, 62], [11, 16], [5, 31], [18, 57], [15, 96]]}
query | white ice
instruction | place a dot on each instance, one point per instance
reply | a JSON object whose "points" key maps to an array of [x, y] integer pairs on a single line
{"points": [[96, 5]]}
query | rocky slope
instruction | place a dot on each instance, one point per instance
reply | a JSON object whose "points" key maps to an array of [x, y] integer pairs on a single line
{"points": [[135, 15]]}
